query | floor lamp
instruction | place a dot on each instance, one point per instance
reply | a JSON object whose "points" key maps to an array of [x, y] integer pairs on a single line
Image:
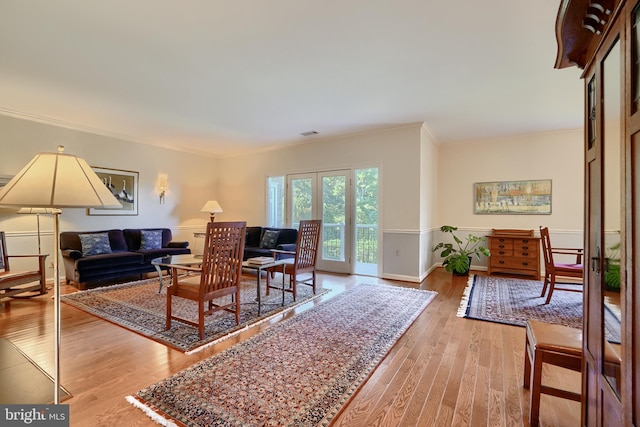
{"points": [[57, 180], [37, 212]]}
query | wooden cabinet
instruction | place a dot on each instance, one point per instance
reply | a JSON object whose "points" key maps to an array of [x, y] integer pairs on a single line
{"points": [[601, 37], [515, 252]]}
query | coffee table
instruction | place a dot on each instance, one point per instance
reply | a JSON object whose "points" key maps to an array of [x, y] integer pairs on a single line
{"points": [[259, 269], [179, 260]]}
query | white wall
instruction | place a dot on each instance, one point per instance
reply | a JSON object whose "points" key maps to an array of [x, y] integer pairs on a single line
{"points": [[428, 199], [556, 156], [423, 185], [192, 181], [395, 151]]}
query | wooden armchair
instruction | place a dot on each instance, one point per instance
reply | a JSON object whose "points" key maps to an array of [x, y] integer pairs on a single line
{"points": [[219, 274], [16, 283], [553, 269], [304, 261]]}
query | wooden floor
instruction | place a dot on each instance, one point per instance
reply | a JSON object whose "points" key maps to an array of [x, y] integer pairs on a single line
{"points": [[444, 371]]}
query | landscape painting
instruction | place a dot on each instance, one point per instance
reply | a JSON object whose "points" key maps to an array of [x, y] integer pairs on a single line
{"points": [[531, 197]]}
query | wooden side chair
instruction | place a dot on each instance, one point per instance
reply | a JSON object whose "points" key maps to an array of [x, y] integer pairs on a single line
{"points": [[553, 269], [219, 274], [16, 283], [555, 345], [560, 346], [304, 260]]}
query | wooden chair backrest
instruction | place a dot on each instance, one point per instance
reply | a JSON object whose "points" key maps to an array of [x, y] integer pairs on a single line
{"points": [[222, 257], [4, 259], [546, 248], [307, 245]]}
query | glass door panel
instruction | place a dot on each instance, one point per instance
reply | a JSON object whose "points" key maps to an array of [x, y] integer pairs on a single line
{"points": [[326, 196]]}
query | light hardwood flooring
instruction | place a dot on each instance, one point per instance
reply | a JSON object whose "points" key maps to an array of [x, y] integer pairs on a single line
{"points": [[445, 370]]}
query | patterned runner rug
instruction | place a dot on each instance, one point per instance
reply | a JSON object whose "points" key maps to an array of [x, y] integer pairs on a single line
{"points": [[514, 301], [137, 306], [298, 372]]}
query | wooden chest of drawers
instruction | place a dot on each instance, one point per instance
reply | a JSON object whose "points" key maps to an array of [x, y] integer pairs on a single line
{"points": [[514, 251]]}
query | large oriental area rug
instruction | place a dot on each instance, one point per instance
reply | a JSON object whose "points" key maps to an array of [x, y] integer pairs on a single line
{"points": [[138, 307], [514, 301], [299, 372]]}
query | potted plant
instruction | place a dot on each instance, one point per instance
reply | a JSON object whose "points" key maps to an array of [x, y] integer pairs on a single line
{"points": [[457, 256]]}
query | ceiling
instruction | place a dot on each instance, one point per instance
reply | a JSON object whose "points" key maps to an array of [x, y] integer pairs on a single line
{"points": [[224, 77]]}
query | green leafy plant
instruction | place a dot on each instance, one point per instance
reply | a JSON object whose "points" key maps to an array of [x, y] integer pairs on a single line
{"points": [[457, 256]]}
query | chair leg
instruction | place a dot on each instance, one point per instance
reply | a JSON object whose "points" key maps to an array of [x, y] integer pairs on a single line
{"points": [[552, 285], [534, 405], [201, 319], [168, 324], [546, 284], [313, 281], [293, 280], [527, 364], [238, 305]]}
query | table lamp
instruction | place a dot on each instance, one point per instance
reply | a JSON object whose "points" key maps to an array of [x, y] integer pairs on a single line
{"points": [[213, 207]]}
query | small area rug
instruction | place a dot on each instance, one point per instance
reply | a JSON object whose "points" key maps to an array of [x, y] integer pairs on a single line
{"points": [[514, 301], [138, 307], [299, 372]]}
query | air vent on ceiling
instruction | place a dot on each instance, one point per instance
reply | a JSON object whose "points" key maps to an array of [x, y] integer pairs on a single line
{"points": [[309, 133]]}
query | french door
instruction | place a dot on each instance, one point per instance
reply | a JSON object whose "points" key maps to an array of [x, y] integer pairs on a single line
{"points": [[325, 196]]}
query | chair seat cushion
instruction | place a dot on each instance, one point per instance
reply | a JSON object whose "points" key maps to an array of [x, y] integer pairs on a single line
{"points": [[573, 268], [558, 338]]}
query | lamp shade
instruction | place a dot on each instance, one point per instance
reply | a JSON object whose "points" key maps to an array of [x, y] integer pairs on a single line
{"points": [[34, 211], [57, 180], [212, 206]]}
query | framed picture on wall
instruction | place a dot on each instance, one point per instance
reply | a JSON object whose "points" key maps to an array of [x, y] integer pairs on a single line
{"points": [[531, 197], [4, 179], [124, 186]]}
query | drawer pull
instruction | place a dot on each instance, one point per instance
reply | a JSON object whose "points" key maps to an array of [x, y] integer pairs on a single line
{"points": [[525, 241], [525, 247], [501, 240], [501, 246], [525, 253], [502, 252], [501, 262], [525, 263]]}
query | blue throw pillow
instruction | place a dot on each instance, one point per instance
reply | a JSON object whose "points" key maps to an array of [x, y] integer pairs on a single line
{"points": [[95, 243], [150, 239], [269, 239]]}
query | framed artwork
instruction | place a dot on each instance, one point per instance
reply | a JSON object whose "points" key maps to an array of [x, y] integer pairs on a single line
{"points": [[124, 186], [4, 179], [513, 197]]}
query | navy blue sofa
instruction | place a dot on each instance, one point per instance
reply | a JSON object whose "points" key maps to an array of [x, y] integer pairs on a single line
{"points": [[286, 241], [126, 258]]}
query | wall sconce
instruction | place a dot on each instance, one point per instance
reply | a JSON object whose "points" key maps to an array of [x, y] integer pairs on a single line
{"points": [[163, 186]]}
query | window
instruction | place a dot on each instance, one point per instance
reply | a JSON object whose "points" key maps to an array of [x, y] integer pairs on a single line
{"points": [[275, 201]]}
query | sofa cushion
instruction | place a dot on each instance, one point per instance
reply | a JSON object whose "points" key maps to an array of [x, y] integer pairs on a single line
{"points": [[71, 240], [114, 261], [150, 239], [95, 243], [133, 237], [253, 236], [269, 239]]}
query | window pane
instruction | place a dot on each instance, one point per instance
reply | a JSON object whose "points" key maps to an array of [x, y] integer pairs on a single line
{"points": [[333, 217], [275, 201]]}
